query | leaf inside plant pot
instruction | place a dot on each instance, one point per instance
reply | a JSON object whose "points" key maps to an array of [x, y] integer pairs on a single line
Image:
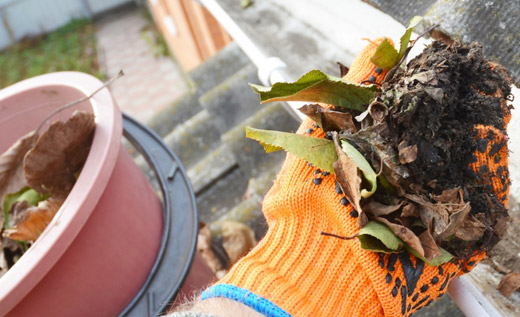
{"points": [[31, 221], [51, 166], [11, 165]]}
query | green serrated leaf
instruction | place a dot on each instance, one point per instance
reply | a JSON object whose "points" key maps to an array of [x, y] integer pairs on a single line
{"points": [[386, 56], [441, 259], [405, 39], [316, 86], [363, 165], [27, 194], [377, 237], [319, 152]]}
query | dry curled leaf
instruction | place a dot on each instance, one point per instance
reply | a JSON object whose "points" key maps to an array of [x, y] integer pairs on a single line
{"points": [[471, 229], [448, 195], [328, 119], [509, 284], [410, 210], [378, 111], [377, 209], [456, 220], [431, 249], [407, 154], [33, 220], [238, 239], [11, 167], [59, 153], [349, 179], [500, 229], [405, 234], [447, 215], [206, 251]]}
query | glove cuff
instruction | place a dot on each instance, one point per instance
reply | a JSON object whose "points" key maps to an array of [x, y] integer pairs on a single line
{"points": [[258, 303], [303, 273]]}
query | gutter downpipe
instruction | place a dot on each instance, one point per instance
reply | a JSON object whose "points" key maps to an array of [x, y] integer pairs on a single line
{"points": [[470, 300]]}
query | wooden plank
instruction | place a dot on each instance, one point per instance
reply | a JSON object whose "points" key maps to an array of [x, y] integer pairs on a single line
{"points": [[217, 32], [190, 30], [198, 32], [207, 33], [178, 33]]}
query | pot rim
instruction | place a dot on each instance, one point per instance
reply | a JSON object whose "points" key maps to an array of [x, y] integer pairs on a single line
{"points": [[82, 199]]}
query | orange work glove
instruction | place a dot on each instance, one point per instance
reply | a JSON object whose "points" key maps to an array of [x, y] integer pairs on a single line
{"points": [[296, 271]]}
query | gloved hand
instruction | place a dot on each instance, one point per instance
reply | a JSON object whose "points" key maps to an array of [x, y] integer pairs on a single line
{"points": [[297, 271]]}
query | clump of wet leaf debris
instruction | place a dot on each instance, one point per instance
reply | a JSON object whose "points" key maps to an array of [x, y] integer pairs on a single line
{"points": [[420, 129], [36, 175]]}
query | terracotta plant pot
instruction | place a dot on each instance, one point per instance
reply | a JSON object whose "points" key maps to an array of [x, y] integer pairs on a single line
{"points": [[101, 246]]}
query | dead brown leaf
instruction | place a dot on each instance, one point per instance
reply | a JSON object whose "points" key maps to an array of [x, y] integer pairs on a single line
{"points": [[311, 111], [447, 215], [456, 220], [423, 77], [509, 284], [60, 153], [348, 178], [370, 140], [34, 220], [471, 229], [405, 234], [407, 154], [238, 239], [377, 209], [343, 70], [378, 111], [436, 93], [410, 210], [448, 195], [11, 167], [206, 251], [500, 229], [431, 249], [431, 213], [328, 119]]}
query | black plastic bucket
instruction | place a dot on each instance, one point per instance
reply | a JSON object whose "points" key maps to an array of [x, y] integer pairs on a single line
{"points": [[179, 239]]}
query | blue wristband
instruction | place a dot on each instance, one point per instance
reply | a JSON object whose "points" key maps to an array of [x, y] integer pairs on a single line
{"points": [[258, 303]]}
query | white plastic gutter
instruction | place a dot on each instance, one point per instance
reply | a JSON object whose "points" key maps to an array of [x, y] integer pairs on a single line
{"points": [[470, 300], [270, 69]]}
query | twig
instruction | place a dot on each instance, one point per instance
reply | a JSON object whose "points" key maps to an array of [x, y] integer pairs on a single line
{"points": [[78, 101], [338, 236], [392, 72]]}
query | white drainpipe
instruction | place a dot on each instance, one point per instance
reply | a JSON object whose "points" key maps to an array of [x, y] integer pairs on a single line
{"points": [[464, 293]]}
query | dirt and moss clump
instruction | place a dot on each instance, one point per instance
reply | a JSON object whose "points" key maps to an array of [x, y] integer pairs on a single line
{"points": [[436, 114]]}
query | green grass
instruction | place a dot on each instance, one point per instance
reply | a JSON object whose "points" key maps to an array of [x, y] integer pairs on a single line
{"points": [[71, 47]]}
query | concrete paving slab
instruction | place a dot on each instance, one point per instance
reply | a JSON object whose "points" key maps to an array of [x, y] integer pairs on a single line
{"points": [[151, 83]]}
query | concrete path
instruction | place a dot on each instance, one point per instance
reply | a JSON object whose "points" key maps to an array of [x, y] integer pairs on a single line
{"points": [[151, 82]]}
